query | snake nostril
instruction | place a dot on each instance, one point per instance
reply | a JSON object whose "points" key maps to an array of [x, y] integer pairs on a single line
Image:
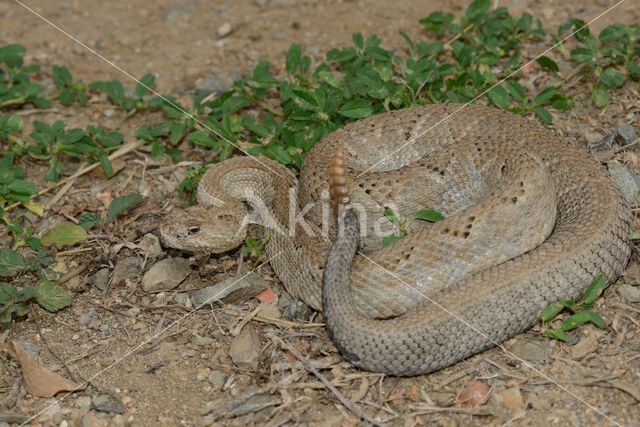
{"points": [[193, 230]]}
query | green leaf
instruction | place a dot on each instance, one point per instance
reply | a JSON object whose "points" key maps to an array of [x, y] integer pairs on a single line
{"points": [[499, 96], [121, 204], [11, 262], [635, 234], [64, 235], [20, 186], [429, 215], [558, 335], [293, 58], [551, 311], [599, 96], [613, 32], [633, 69], [594, 290], [145, 85], [88, 220], [544, 114], [582, 317], [8, 293], [106, 165], [516, 90], [582, 54], [50, 296], [61, 76], [390, 239], [477, 9], [356, 109], [12, 55], [548, 63], [545, 95], [201, 137], [611, 77]]}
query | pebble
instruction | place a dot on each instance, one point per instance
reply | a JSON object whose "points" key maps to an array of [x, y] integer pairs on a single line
{"points": [[106, 403], [29, 347], [217, 378], [585, 346], [261, 3], [126, 268], [632, 274], [626, 133], [166, 274], [86, 316], [183, 300], [627, 181], [224, 30], [203, 341], [297, 310], [231, 291], [629, 293], [101, 279], [510, 398], [91, 419], [150, 243], [531, 351], [216, 83], [245, 348]]}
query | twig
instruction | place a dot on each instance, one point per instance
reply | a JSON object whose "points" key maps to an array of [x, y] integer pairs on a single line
{"points": [[577, 382], [286, 323], [73, 273], [428, 409], [345, 402]]}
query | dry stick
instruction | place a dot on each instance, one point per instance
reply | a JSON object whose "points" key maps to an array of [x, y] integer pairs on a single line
{"points": [[119, 153], [345, 402]]}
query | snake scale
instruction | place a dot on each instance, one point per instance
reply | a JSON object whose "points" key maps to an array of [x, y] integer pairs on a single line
{"points": [[530, 219]]}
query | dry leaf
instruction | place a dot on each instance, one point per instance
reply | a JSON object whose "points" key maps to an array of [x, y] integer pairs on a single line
{"points": [[474, 394], [40, 381]]}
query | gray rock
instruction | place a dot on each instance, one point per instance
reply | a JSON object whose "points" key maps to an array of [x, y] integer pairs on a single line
{"points": [[626, 133], [246, 403], [261, 3], [86, 316], [216, 83], [217, 379], [629, 293], [166, 275], [626, 180], [231, 291], [531, 351], [183, 300], [632, 274], [126, 268], [224, 30], [244, 349], [584, 347], [151, 245], [297, 310], [106, 403], [101, 279]]}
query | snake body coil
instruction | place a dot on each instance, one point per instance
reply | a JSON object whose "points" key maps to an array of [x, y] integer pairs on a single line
{"points": [[529, 220]]}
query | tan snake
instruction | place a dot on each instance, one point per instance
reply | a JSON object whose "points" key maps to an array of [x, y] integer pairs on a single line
{"points": [[529, 220]]}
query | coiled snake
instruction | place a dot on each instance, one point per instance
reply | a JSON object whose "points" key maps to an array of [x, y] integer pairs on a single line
{"points": [[529, 220]]}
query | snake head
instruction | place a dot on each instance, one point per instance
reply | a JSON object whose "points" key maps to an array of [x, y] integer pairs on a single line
{"points": [[201, 228]]}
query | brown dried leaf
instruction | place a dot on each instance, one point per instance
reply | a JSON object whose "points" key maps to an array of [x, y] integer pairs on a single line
{"points": [[40, 381], [474, 394]]}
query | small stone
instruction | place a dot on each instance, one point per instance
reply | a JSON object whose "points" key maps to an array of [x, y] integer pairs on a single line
{"points": [[216, 83], [592, 138], [91, 419], [297, 310], [626, 180], [86, 316], [52, 408], [166, 275], [232, 291], [531, 351], [106, 403], [108, 113], [28, 346], [629, 293], [126, 268], [140, 325], [203, 373], [217, 379], [224, 30], [510, 398], [101, 279], [587, 345], [269, 310], [183, 300], [203, 341], [632, 274], [150, 243], [245, 348], [626, 133], [261, 3]]}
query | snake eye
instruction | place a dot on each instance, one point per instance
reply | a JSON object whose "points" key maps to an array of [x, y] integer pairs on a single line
{"points": [[194, 229]]}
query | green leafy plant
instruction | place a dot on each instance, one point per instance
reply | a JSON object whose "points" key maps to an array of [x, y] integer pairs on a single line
{"points": [[141, 98], [16, 87], [581, 312], [13, 301], [92, 144], [69, 91], [428, 215], [254, 248]]}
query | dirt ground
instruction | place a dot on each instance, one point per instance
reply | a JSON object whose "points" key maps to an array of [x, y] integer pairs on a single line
{"points": [[186, 376]]}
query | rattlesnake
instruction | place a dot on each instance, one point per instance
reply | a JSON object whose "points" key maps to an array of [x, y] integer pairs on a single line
{"points": [[529, 220]]}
